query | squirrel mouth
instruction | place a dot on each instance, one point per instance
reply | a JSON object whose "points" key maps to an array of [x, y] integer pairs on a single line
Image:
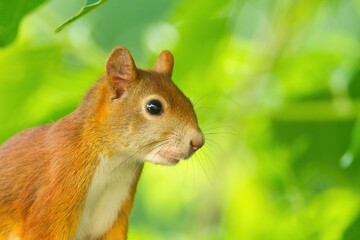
{"points": [[174, 160], [167, 157], [171, 160]]}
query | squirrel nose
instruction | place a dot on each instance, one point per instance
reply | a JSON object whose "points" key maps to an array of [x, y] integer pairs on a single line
{"points": [[197, 142]]}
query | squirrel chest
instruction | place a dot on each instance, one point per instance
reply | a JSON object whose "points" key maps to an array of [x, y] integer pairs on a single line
{"points": [[110, 187]]}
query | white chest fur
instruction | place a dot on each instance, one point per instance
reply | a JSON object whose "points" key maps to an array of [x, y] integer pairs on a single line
{"points": [[109, 189]]}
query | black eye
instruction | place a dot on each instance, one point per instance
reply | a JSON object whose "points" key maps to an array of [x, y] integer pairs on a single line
{"points": [[154, 107]]}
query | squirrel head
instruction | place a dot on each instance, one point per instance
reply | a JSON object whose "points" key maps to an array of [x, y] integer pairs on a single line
{"points": [[142, 114]]}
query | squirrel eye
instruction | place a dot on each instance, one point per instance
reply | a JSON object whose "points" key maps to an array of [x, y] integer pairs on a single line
{"points": [[154, 107]]}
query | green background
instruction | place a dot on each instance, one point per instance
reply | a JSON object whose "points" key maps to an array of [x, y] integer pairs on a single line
{"points": [[277, 92]]}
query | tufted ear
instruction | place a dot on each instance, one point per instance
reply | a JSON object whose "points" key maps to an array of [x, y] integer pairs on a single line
{"points": [[164, 63], [119, 69]]}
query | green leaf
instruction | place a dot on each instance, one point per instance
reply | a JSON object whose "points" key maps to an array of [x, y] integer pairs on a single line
{"points": [[354, 146], [11, 14], [89, 6]]}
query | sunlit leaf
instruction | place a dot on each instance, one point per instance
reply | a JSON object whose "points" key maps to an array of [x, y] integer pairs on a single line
{"points": [[89, 6]]}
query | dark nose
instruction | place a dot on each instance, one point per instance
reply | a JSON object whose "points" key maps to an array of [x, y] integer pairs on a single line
{"points": [[197, 142]]}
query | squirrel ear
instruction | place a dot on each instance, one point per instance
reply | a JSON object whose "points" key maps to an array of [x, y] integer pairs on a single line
{"points": [[120, 67], [164, 63]]}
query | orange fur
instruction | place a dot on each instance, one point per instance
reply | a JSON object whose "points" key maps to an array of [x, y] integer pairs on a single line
{"points": [[46, 171]]}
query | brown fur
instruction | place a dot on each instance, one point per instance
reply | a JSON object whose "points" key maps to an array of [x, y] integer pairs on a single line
{"points": [[45, 172]]}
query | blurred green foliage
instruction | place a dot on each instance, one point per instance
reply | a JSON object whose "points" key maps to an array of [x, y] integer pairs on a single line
{"points": [[11, 14], [277, 91]]}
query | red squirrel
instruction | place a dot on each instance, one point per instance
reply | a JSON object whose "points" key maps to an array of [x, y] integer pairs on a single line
{"points": [[76, 178]]}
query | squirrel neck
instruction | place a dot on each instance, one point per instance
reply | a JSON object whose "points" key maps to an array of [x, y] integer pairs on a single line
{"points": [[84, 126], [95, 104]]}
